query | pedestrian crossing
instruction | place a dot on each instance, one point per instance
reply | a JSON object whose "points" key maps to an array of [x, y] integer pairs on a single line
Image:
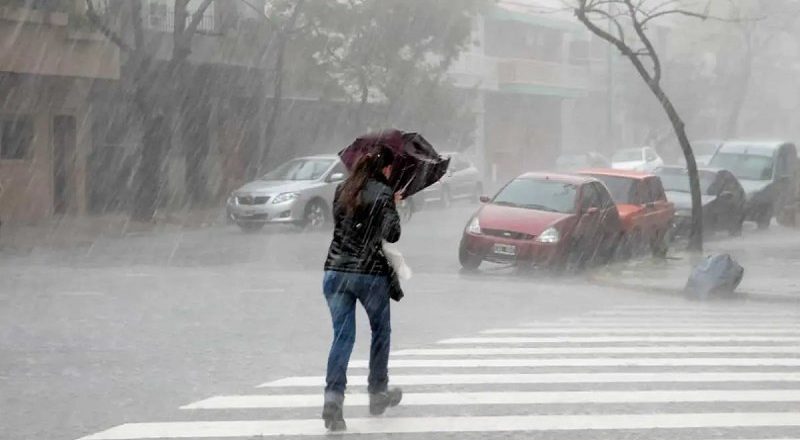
{"points": [[683, 371]]}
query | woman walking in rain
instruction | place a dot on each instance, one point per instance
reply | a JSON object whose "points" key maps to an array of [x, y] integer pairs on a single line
{"points": [[356, 269]]}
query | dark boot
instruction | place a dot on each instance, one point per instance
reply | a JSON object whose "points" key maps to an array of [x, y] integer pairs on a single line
{"points": [[378, 402], [333, 414]]}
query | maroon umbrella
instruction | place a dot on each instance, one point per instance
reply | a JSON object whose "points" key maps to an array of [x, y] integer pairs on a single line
{"points": [[416, 166]]}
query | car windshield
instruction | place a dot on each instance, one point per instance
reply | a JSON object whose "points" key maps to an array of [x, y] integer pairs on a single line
{"points": [[704, 148], [621, 188], [300, 169], [630, 155], [538, 194], [678, 180], [744, 166]]}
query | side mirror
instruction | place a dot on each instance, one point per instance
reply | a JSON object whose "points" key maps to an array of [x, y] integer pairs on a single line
{"points": [[336, 177], [485, 199]]}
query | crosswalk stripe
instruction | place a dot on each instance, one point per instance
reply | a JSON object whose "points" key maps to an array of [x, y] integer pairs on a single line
{"points": [[648, 321], [703, 313], [587, 362], [661, 349], [642, 330], [548, 378], [607, 339], [507, 398], [648, 324], [409, 425]]}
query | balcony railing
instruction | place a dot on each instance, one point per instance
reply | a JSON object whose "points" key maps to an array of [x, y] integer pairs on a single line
{"points": [[541, 73], [164, 21]]}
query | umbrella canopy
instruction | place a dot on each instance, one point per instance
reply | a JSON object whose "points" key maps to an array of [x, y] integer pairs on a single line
{"points": [[416, 166]]}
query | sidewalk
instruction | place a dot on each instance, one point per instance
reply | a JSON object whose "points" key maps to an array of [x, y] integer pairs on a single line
{"points": [[66, 232], [771, 261]]}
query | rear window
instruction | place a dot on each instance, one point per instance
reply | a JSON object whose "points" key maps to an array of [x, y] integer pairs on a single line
{"points": [[622, 189], [538, 194], [678, 180], [745, 166]]}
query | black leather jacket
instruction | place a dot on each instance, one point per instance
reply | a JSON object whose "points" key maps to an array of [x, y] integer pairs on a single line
{"points": [[356, 245]]}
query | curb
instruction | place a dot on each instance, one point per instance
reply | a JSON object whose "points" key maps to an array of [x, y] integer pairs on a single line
{"points": [[738, 296]]}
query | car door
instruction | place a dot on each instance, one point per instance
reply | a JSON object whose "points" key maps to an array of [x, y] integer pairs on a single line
{"points": [[610, 223], [589, 216], [333, 178], [663, 209]]}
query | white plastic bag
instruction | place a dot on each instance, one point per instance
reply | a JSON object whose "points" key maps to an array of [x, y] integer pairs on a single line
{"points": [[396, 260]]}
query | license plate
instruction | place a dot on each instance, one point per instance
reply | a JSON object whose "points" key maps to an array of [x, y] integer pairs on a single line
{"points": [[505, 249]]}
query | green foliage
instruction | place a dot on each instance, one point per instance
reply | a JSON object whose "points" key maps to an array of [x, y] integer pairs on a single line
{"points": [[393, 54]]}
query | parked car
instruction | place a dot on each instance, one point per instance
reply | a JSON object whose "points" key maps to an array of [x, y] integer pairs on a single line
{"points": [[637, 159], [298, 192], [543, 220], [767, 170], [577, 161], [643, 207], [462, 181], [722, 195]]}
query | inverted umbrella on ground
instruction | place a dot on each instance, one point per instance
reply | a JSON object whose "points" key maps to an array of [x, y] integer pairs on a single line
{"points": [[417, 165]]}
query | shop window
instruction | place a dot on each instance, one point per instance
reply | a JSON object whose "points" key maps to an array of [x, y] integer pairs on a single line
{"points": [[16, 136]]}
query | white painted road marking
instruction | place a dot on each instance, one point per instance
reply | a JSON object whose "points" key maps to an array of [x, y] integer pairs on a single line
{"points": [[643, 330], [777, 313], [587, 362], [547, 378], [650, 324], [665, 349], [409, 425], [607, 339], [507, 398]]}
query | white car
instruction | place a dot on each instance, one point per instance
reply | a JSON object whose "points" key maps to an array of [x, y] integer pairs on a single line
{"points": [[462, 181], [637, 159]]}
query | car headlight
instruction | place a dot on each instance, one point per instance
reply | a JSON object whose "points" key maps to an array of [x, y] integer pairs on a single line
{"points": [[284, 197], [474, 226], [549, 235]]}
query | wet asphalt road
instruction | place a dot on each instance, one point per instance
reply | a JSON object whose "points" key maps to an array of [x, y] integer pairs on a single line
{"points": [[128, 330]]}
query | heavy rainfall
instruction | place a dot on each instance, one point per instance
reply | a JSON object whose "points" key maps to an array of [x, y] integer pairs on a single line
{"points": [[553, 219]]}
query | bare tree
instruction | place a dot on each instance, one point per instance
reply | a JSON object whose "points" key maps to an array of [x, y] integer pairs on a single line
{"points": [[756, 26], [154, 87], [625, 25]]}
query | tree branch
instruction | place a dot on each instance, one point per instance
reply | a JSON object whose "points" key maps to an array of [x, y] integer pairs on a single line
{"points": [[97, 21], [639, 28]]}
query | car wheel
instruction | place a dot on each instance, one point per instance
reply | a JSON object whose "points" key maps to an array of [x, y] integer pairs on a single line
{"points": [[470, 262], [444, 197], [736, 229], [250, 227], [764, 218], [659, 245], [315, 216]]}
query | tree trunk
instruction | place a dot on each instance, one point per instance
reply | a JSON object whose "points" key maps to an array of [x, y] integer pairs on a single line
{"points": [[147, 196], [696, 234]]}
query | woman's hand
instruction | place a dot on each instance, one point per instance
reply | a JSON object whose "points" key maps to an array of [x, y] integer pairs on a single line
{"points": [[398, 196]]}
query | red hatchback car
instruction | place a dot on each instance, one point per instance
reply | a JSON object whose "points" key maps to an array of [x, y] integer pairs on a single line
{"points": [[543, 220], [643, 207]]}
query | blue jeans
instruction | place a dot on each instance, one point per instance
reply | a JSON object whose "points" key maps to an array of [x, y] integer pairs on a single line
{"points": [[341, 292]]}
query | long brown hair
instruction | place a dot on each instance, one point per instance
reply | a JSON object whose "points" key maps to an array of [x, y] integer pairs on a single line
{"points": [[369, 166]]}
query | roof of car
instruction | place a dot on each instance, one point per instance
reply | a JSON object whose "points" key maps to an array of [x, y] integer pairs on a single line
{"points": [[566, 178], [757, 147], [616, 173], [680, 168]]}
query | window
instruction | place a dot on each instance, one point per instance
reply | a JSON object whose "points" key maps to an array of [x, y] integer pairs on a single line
{"points": [[603, 196], [590, 198], [299, 169], [622, 189], [655, 190], [744, 166], [16, 135]]}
